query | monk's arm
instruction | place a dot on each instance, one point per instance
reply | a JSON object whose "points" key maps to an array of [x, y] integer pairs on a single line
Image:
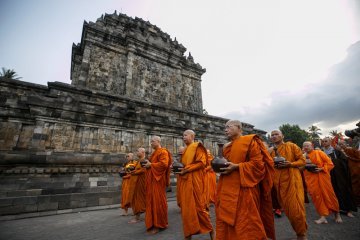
{"points": [[298, 157], [139, 171], [252, 171], [159, 168], [327, 163], [199, 161]]}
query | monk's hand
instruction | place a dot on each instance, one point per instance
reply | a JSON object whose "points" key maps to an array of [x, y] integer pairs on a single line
{"points": [[318, 169], [230, 167], [285, 164], [183, 171], [147, 164]]}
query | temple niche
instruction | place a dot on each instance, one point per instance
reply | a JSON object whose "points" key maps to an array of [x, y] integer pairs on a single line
{"points": [[62, 145]]}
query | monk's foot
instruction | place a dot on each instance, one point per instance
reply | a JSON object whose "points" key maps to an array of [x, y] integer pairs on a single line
{"points": [[301, 237], [124, 213], [321, 220], [132, 221], [338, 218], [349, 214], [153, 231], [187, 238], [212, 235]]}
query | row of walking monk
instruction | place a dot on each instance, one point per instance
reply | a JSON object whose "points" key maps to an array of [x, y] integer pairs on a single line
{"points": [[244, 193]]}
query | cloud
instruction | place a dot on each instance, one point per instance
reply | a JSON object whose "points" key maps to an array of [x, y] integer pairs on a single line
{"points": [[327, 104]]}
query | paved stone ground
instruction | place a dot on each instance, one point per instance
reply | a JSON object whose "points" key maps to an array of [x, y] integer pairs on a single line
{"points": [[109, 225]]}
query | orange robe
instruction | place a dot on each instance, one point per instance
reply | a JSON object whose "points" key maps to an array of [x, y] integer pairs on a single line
{"points": [[289, 186], [354, 166], [138, 201], [194, 213], [319, 184], [210, 179], [125, 191], [157, 178], [243, 204]]}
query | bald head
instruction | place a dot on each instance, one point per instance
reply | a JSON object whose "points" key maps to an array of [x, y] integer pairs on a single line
{"points": [[308, 146], [233, 129], [235, 123], [188, 136], [276, 137], [141, 153], [129, 156], [155, 142], [181, 150]]}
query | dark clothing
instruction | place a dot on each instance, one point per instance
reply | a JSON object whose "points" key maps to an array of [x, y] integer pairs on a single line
{"points": [[341, 180]]}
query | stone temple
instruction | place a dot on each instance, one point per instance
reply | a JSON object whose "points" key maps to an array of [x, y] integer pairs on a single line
{"points": [[61, 145]]}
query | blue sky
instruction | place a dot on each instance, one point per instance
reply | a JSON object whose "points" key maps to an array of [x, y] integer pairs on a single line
{"points": [[267, 62]]}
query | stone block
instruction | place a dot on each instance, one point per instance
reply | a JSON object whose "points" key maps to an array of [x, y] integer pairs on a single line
{"points": [[47, 206], [16, 193], [78, 204], [6, 202], [24, 200], [31, 207], [14, 209], [105, 201]]}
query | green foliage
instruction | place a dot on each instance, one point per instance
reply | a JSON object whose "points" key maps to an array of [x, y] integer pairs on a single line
{"points": [[294, 134], [9, 73], [314, 133]]}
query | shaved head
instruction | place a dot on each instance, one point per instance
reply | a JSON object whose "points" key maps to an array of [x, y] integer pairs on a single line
{"points": [[155, 142], [188, 136], [191, 132], [233, 122], [276, 137], [278, 131]]}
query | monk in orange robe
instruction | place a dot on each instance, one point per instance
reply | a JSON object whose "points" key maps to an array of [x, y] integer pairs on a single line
{"points": [[125, 187], [353, 156], [191, 183], [319, 184], [157, 178], [288, 182], [210, 187], [243, 204], [138, 202], [180, 152]]}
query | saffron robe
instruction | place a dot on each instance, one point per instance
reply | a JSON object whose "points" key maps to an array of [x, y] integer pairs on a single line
{"points": [[243, 204], [354, 166], [289, 187], [194, 213], [210, 187], [157, 178], [319, 184], [125, 191], [138, 201]]}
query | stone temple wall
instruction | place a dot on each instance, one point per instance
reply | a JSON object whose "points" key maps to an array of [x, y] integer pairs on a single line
{"points": [[61, 145]]}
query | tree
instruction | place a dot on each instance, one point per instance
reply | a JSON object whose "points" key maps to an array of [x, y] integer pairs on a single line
{"points": [[314, 133], [334, 133], [9, 73], [294, 134]]}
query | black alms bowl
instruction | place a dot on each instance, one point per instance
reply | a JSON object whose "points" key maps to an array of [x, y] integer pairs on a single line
{"points": [[176, 166], [142, 163], [278, 159], [122, 173], [130, 167], [217, 163], [310, 167]]}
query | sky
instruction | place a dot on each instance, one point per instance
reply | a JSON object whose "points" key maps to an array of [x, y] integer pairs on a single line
{"points": [[267, 63]]}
